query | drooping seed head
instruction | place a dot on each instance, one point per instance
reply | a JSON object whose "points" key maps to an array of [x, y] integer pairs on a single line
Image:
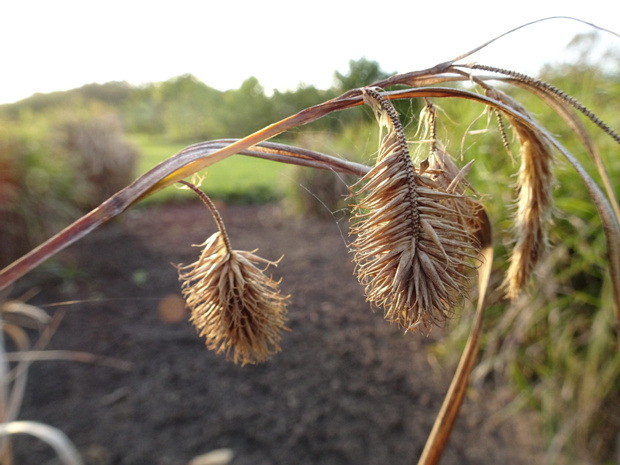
{"points": [[414, 250], [535, 202], [233, 303]]}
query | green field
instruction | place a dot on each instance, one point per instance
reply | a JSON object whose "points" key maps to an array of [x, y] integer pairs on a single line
{"points": [[238, 179]]}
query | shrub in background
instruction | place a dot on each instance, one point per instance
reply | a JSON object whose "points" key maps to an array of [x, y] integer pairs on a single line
{"points": [[52, 168], [321, 193], [35, 188], [96, 147]]}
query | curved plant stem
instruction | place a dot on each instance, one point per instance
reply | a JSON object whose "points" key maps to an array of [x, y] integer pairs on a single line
{"points": [[5, 454], [214, 212], [156, 179], [71, 355], [549, 18], [448, 414], [66, 451]]}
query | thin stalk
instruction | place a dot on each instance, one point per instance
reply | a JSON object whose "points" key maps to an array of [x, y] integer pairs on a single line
{"points": [[216, 214], [20, 372], [5, 447], [548, 88], [66, 451], [444, 422], [71, 355]]}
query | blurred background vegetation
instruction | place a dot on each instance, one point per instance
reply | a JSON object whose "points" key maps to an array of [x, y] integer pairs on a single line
{"points": [[62, 153]]}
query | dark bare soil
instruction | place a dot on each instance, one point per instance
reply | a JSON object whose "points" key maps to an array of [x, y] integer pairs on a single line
{"points": [[347, 388]]}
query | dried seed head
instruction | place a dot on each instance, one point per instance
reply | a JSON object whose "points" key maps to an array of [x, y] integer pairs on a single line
{"points": [[451, 179], [535, 203], [414, 250], [233, 303]]}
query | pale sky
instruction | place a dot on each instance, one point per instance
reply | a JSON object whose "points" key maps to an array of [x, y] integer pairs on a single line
{"points": [[61, 44]]}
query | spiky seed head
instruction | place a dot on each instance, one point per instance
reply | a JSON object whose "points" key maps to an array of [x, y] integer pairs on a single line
{"points": [[233, 303], [414, 251]]}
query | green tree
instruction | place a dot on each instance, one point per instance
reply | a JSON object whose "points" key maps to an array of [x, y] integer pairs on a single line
{"points": [[247, 109], [361, 73], [364, 72], [190, 109]]}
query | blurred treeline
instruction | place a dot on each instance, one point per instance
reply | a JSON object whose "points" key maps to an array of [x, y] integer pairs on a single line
{"points": [[186, 109]]}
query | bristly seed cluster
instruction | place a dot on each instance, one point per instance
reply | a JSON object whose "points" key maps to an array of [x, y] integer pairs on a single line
{"points": [[233, 303], [535, 202], [415, 245]]}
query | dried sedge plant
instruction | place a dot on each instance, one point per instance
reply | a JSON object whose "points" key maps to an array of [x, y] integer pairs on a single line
{"points": [[233, 303], [414, 250], [418, 233]]}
